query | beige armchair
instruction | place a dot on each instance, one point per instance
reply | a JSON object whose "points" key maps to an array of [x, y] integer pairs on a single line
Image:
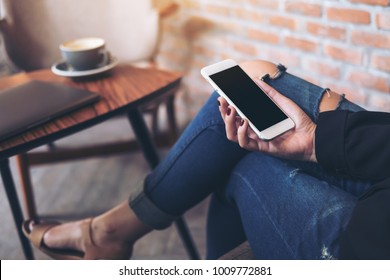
{"points": [[33, 30]]}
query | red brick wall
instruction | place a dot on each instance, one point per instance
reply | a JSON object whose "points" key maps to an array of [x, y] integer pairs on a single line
{"points": [[343, 45]]}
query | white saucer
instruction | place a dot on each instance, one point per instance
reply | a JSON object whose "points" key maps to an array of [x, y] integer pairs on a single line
{"points": [[64, 69]]}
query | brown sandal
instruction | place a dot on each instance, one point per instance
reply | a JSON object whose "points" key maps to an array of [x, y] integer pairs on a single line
{"points": [[92, 252]]}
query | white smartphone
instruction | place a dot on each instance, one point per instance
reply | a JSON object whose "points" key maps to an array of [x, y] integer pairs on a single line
{"points": [[231, 82]]}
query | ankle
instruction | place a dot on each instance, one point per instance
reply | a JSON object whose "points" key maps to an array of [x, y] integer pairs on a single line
{"points": [[118, 225], [105, 232]]}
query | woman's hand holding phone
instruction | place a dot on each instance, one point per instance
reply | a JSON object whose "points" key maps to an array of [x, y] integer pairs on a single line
{"points": [[265, 118], [297, 143]]}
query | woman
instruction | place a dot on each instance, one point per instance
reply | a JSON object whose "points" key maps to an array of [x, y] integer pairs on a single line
{"points": [[290, 208]]}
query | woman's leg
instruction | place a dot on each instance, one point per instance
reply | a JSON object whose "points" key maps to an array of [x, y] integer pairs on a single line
{"points": [[225, 230], [202, 159], [195, 166], [287, 213], [199, 163], [168, 179], [262, 187], [104, 233], [313, 100]]}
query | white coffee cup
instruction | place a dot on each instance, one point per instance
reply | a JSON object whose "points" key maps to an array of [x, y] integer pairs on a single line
{"points": [[84, 53]]}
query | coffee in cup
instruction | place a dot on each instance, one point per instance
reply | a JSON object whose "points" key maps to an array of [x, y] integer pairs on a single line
{"points": [[84, 53]]}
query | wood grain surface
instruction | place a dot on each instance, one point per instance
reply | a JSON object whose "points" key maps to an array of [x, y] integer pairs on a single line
{"points": [[122, 89]]}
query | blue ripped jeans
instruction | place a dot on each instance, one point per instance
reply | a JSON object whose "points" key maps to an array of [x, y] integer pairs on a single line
{"points": [[285, 209]]}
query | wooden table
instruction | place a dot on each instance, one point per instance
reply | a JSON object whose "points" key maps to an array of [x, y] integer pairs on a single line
{"points": [[123, 90]]}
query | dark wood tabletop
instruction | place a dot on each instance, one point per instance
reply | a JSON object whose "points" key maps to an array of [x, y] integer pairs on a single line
{"points": [[122, 89]]}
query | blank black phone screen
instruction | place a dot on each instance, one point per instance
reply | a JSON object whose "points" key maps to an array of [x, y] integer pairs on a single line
{"points": [[248, 97]]}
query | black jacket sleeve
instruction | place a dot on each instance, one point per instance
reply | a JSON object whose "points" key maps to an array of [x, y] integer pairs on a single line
{"points": [[357, 144]]}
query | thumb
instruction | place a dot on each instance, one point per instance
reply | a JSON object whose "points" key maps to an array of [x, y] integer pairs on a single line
{"points": [[271, 92], [284, 102]]}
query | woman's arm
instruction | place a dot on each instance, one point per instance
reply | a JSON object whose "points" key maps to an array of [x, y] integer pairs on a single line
{"points": [[354, 143], [348, 143]]}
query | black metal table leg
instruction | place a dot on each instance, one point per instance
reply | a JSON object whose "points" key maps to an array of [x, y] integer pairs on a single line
{"points": [[10, 190], [185, 236], [150, 152], [143, 137]]}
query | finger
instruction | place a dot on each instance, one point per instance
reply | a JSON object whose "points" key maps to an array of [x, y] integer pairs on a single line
{"points": [[243, 136], [231, 124], [252, 134], [273, 93], [228, 116], [222, 102], [285, 103], [223, 106]]}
